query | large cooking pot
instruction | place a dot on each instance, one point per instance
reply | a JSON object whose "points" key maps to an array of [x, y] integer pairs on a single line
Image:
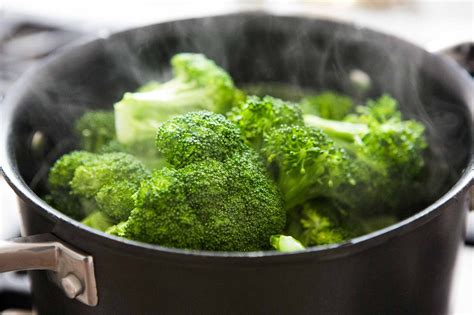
{"points": [[404, 268]]}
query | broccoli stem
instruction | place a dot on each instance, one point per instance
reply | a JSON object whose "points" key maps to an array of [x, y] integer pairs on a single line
{"points": [[286, 244], [341, 130]]}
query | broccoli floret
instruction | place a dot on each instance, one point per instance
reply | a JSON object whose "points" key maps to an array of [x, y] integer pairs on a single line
{"points": [[82, 182], [98, 220], [219, 202], [198, 83], [110, 180], [59, 180], [386, 153], [309, 164], [198, 136], [256, 117], [95, 129], [284, 243], [381, 110], [327, 105], [201, 206], [323, 221]]}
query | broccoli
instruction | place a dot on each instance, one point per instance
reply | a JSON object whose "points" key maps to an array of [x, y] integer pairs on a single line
{"points": [[323, 221], [220, 202], [386, 153], [198, 83], [309, 164], [316, 172], [284, 243], [98, 220], [59, 180], [95, 129], [327, 105], [198, 136], [381, 110], [256, 117], [110, 180], [89, 182]]}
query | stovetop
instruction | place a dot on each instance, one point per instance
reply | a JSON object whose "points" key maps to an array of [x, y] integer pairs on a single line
{"points": [[23, 44]]}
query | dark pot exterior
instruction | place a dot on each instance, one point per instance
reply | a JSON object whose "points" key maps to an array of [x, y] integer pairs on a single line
{"points": [[403, 269]]}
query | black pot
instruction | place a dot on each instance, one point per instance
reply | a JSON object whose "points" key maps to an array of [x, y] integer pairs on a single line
{"points": [[404, 268]]}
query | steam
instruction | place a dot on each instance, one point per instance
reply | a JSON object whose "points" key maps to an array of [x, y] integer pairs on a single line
{"points": [[302, 53]]}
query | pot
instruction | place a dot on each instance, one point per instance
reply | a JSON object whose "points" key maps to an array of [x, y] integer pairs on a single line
{"points": [[404, 268]]}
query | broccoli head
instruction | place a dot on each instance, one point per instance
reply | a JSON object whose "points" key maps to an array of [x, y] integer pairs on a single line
{"points": [[380, 110], [212, 202], [110, 180], [82, 182], [59, 180], [256, 117], [309, 164], [323, 221], [198, 84], [198, 136], [202, 206], [386, 153]]}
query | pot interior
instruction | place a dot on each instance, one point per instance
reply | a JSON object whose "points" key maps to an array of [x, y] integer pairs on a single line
{"points": [[254, 48]]}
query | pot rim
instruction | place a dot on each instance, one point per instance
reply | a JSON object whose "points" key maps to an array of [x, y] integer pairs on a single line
{"points": [[9, 169]]}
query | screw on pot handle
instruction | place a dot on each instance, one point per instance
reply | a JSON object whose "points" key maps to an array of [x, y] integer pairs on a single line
{"points": [[71, 270]]}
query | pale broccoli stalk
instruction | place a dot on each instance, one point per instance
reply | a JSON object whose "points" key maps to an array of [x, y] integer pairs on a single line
{"points": [[286, 244], [96, 132], [198, 83]]}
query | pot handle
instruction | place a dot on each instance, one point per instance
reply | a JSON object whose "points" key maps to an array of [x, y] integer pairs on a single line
{"points": [[70, 269], [470, 218]]}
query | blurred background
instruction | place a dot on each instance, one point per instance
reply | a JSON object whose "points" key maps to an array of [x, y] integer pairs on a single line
{"points": [[32, 30]]}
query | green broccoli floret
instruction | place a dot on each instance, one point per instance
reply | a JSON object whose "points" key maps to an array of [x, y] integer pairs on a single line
{"points": [[284, 243], [98, 220], [220, 202], [198, 136], [323, 221], [256, 117], [386, 153], [381, 110], [309, 164], [198, 83], [327, 105], [59, 180], [110, 180], [82, 182], [95, 129]]}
